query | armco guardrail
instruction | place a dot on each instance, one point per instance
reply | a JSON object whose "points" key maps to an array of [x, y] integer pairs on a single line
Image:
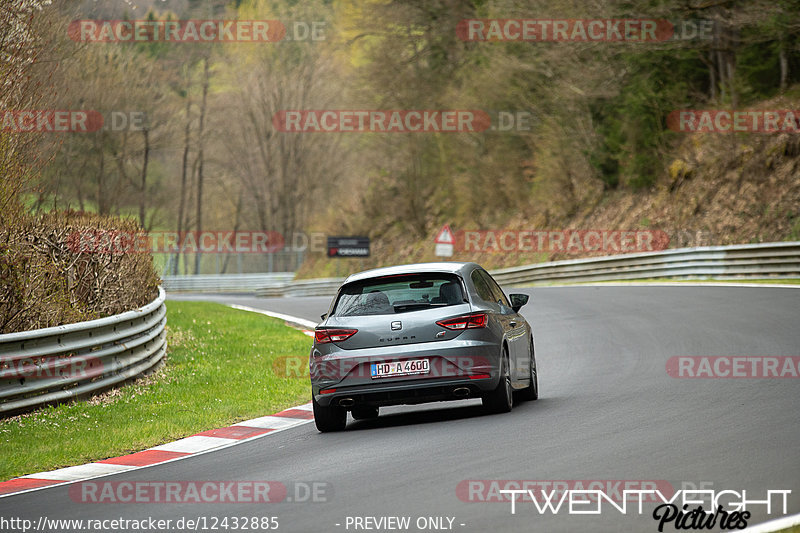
{"points": [[225, 282], [63, 362], [770, 260], [306, 287], [742, 261]]}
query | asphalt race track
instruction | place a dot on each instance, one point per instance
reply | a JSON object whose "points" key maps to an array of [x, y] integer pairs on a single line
{"points": [[608, 411]]}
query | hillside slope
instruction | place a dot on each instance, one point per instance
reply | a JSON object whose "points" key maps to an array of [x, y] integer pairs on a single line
{"points": [[716, 189]]}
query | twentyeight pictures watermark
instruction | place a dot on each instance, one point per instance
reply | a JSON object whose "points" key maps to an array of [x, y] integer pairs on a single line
{"points": [[674, 509], [195, 31]]}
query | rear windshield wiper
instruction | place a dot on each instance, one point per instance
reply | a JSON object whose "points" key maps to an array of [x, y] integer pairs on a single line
{"points": [[416, 305]]}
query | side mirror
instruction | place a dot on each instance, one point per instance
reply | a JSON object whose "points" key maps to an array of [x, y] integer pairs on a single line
{"points": [[323, 316], [517, 301]]}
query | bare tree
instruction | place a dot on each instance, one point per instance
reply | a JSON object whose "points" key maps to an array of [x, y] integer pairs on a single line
{"points": [[200, 156], [281, 173]]}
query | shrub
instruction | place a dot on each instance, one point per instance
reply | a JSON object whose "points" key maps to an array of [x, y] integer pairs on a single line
{"points": [[47, 281]]}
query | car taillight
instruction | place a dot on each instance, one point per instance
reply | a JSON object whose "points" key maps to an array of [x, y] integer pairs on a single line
{"points": [[475, 320], [322, 336]]}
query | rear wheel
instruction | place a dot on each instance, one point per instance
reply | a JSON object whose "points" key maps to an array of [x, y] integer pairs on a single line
{"points": [[329, 418], [364, 413], [501, 399]]}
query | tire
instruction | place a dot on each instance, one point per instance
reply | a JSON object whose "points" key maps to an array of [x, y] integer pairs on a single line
{"points": [[501, 399], [329, 418], [531, 392], [364, 413]]}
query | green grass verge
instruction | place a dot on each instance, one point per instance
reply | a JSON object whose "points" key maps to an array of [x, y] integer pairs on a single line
{"points": [[219, 370]]}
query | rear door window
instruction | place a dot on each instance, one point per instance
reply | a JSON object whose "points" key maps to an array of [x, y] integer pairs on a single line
{"points": [[482, 287], [398, 294], [497, 293]]}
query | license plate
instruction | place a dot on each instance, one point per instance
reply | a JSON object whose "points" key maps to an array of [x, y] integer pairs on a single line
{"points": [[400, 368]]}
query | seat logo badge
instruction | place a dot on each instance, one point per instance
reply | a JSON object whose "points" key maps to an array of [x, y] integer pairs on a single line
{"points": [[440, 334], [397, 325]]}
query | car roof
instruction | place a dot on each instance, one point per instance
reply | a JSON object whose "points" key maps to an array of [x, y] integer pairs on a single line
{"points": [[452, 267]]}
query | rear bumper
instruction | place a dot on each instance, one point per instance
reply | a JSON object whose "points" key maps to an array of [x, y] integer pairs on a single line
{"points": [[408, 393], [458, 369]]}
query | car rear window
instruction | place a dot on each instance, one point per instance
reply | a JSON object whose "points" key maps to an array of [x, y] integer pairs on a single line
{"points": [[398, 294]]}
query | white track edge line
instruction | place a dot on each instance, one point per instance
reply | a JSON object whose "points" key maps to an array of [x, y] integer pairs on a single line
{"points": [[775, 525], [288, 318]]}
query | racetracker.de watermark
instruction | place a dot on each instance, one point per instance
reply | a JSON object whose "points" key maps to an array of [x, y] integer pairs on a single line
{"points": [[497, 490], [34, 368], [571, 241], [403, 121], [381, 121], [71, 121], [177, 31], [50, 120], [734, 121], [116, 242], [733, 366], [583, 30], [202, 492], [297, 367]]}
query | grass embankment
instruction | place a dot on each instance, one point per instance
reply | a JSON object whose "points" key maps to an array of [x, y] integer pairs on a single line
{"points": [[219, 371]]}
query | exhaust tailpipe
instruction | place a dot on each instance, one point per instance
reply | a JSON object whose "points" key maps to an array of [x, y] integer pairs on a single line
{"points": [[347, 402], [461, 392]]}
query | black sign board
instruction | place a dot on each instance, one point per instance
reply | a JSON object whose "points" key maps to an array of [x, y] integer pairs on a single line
{"points": [[348, 246]]}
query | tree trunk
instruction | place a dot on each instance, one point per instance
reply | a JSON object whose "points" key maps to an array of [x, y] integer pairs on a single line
{"points": [[187, 221], [199, 211], [236, 223], [185, 164], [143, 187], [784, 63], [102, 206]]}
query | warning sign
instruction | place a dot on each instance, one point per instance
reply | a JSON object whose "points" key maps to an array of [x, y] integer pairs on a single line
{"points": [[445, 236], [444, 242]]}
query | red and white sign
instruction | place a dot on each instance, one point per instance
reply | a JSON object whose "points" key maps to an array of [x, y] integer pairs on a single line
{"points": [[445, 236], [444, 242]]}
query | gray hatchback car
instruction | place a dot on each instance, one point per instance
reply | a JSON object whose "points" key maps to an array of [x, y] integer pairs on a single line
{"points": [[420, 333]]}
